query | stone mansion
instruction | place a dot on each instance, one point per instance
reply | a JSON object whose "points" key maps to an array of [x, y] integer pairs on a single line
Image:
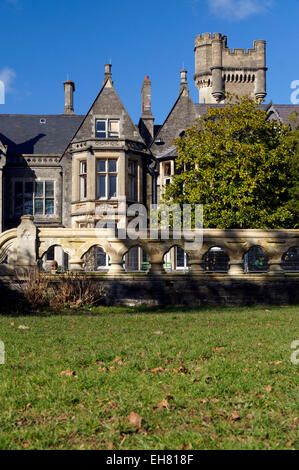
{"points": [[62, 168]]}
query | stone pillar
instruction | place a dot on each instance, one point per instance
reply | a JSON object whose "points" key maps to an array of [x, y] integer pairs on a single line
{"points": [[218, 85], [27, 242], [236, 267], [157, 268], [260, 82], [196, 266], [76, 264], [275, 267], [116, 267]]}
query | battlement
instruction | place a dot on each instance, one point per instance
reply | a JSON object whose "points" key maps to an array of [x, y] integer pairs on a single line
{"points": [[207, 38], [214, 60]]}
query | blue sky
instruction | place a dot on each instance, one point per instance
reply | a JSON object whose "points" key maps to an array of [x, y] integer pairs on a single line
{"points": [[43, 42]]}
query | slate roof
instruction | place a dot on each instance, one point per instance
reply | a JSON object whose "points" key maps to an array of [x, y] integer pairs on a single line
{"points": [[25, 134], [284, 112]]}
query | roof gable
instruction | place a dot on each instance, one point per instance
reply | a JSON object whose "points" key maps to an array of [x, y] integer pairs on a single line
{"points": [[181, 116], [107, 105]]}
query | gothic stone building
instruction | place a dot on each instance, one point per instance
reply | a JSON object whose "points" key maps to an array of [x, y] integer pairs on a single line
{"points": [[67, 169]]}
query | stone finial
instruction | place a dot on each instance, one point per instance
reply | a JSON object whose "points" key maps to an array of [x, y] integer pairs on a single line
{"points": [[69, 88]]}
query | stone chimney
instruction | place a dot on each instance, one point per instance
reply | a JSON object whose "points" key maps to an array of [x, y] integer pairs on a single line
{"points": [[108, 74], [184, 84], [146, 123], [69, 88]]}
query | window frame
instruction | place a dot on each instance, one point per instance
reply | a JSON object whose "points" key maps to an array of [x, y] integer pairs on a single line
{"points": [[34, 196], [108, 132], [133, 177], [107, 174], [82, 178]]}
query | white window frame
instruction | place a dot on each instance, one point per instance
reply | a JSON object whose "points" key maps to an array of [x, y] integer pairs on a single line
{"points": [[82, 178], [106, 173], [108, 131]]}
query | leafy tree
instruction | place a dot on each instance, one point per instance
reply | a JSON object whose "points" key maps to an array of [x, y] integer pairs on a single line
{"points": [[294, 168], [237, 164]]}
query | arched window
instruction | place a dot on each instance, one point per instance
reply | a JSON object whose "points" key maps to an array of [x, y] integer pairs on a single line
{"points": [[255, 260], [290, 260], [55, 253], [96, 259], [216, 260], [136, 260], [176, 260]]}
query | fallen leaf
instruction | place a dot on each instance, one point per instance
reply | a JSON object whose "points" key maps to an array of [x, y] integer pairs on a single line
{"points": [[110, 445], [134, 419], [69, 373], [158, 332], [103, 369], [219, 349], [234, 416], [269, 388], [249, 416], [23, 327], [112, 368], [181, 370], [118, 360], [157, 369], [25, 444], [275, 363], [289, 444], [204, 401], [112, 405], [162, 404], [12, 323], [215, 400]]}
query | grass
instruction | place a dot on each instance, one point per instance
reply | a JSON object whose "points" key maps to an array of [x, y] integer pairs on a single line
{"points": [[212, 378]]}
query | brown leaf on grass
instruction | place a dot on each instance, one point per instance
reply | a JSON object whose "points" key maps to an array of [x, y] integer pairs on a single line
{"points": [[134, 419], [99, 362], [158, 332], [25, 444], [260, 395], [69, 373], [249, 416], [181, 370], [204, 401], [103, 369], [28, 405], [12, 323], [275, 363], [219, 348], [269, 388], [112, 405], [110, 445], [118, 361], [158, 369], [162, 405], [215, 400], [234, 416], [23, 327], [112, 368], [289, 444]]}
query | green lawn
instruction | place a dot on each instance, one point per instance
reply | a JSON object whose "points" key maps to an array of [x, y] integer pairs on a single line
{"points": [[212, 378]]}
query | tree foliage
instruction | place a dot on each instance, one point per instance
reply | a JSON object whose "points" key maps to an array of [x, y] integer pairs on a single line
{"points": [[240, 165]]}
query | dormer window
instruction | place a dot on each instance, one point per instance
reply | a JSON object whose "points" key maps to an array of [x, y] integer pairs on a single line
{"points": [[107, 128]]}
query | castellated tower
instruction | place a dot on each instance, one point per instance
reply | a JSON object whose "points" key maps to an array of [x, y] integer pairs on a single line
{"points": [[219, 70]]}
